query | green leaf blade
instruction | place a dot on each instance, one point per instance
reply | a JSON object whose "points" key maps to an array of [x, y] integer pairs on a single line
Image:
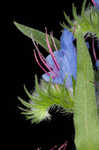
{"points": [[38, 36]]}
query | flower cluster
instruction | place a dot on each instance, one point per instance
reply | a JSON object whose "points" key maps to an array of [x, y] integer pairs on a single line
{"points": [[62, 64]]}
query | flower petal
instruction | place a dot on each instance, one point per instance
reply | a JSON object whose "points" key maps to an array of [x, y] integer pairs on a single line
{"points": [[67, 69], [69, 49], [96, 3], [66, 39], [66, 57]]}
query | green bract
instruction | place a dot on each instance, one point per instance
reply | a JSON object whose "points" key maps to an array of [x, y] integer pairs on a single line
{"points": [[88, 21], [42, 99]]}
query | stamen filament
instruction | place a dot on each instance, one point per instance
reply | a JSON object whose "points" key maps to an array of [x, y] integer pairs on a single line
{"points": [[54, 147], [94, 2], [40, 64], [93, 48], [63, 146], [51, 52], [52, 38], [43, 59]]}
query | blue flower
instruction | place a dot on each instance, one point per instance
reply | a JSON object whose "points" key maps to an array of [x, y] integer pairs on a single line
{"points": [[96, 3], [63, 62]]}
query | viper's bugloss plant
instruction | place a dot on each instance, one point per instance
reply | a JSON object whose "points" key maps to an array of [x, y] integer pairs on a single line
{"points": [[70, 79]]}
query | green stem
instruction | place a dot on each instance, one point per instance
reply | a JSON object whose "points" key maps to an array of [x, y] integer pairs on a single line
{"points": [[85, 111]]}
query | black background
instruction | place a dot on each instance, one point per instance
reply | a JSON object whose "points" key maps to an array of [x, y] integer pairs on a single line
{"points": [[21, 68]]}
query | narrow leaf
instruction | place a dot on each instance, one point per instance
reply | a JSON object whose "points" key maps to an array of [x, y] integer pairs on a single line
{"points": [[38, 36]]}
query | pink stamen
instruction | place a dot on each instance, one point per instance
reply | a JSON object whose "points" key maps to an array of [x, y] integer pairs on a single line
{"points": [[94, 2], [51, 52], [93, 48], [85, 37], [39, 51], [52, 38], [54, 147], [40, 64], [43, 59], [63, 146]]}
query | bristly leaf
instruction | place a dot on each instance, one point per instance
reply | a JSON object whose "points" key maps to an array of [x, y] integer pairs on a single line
{"points": [[26, 104], [37, 35], [87, 22], [74, 12], [83, 8], [45, 96], [68, 19]]}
